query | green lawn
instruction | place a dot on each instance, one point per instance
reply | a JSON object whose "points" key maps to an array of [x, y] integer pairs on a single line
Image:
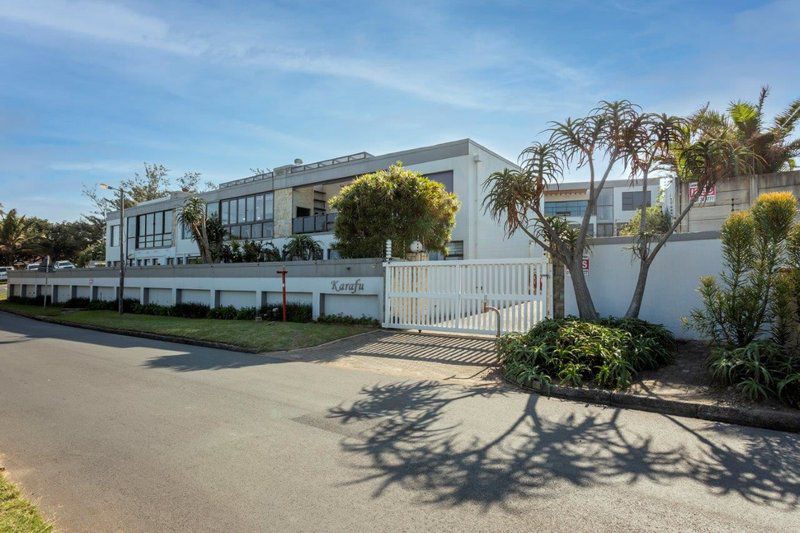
{"points": [[17, 514], [261, 336]]}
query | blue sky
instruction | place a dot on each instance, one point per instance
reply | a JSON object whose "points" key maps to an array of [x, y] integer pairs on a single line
{"points": [[90, 90]]}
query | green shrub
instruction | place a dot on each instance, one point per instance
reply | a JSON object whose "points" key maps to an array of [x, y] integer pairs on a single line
{"points": [[759, 371], [190, 310], [27, 300], [572, 351], [351, 320], [246, 313], [227, 312], [295, 312], [76, 303]]}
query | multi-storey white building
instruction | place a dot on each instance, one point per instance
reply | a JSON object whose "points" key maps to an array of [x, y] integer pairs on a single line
{"points": [[294, 199]]}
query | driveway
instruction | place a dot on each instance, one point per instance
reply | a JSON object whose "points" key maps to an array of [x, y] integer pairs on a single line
{"points": [[107, 432]]}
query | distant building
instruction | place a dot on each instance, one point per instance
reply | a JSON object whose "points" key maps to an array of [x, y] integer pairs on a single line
{"points": [[294, 199], [738, 194], [618, 202]]}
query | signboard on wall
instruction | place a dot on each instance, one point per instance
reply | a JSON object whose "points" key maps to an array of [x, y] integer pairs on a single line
{"points": [[707, 195], [585, 263]]}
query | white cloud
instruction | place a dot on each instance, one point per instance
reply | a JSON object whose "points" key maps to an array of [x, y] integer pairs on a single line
{"points": [[455, 78], [97, 20]]}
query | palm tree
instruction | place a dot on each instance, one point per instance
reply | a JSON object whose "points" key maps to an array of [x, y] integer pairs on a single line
{"points": [[744, 124], [303, 248], [193, 215], [16, 236]]}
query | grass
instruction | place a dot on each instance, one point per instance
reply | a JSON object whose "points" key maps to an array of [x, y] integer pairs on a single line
{"points": [[261, 336], [16, 513]]}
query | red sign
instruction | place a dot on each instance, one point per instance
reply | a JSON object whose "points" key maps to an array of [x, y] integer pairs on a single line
{"points": [[708, 195], [585, 264]]}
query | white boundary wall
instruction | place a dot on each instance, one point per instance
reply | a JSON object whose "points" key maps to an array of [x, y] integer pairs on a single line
{"points": [[671, 291], [348, 287]]}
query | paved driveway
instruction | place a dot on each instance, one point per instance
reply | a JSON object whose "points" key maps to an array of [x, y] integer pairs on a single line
{"points": [[116, 433]]}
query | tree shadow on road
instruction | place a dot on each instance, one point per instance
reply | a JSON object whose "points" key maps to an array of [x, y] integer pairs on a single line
{"points": [[414, 447]]}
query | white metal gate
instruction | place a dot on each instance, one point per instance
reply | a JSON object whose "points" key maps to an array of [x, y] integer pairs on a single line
{"points": [[450, 295]]}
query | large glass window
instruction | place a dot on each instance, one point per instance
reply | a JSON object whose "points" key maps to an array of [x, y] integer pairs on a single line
{"points": [[568, 208], [634, 199], [248, 217], [212, 209], [154, 230], [605, 205]]}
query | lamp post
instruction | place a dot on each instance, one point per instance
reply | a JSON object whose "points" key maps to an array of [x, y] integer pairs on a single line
{"points": [[121, 294]]}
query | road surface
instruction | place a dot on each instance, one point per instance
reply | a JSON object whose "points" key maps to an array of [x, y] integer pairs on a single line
{"points": [[110, 433]]}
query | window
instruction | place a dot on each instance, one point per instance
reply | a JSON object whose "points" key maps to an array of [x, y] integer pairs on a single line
{"points": [[633, 200], [170, 260], [154, 230], [113, 237], [605, 229], [568, 208], [334, 254], [186, 232], [212, 210], [248, 217], [455, 250], [445, 178], [605, 205], [180, 261]]}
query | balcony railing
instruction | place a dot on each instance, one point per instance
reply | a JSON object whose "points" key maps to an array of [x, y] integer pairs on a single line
{"points": [[314, 223]]}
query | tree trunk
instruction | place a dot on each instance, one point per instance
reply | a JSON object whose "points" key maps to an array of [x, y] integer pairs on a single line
{"points": [[582, 295], [638, 291]]}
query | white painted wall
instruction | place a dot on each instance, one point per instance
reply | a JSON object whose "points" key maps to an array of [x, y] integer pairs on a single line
{"points": [[671, 290]]}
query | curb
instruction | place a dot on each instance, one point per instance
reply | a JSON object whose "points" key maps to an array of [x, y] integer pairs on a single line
{"points": [[753, 417]]}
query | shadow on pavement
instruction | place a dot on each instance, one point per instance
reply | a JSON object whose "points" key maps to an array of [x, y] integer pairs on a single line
{"points": [[413, 447]]}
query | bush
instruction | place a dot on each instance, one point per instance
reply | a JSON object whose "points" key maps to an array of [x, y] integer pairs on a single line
{"points": [[76, 303], [227, 312], [295, 312], [246, 313], [572, 351], [351, 320], [190, 310], [759, 371], [27, 300]]}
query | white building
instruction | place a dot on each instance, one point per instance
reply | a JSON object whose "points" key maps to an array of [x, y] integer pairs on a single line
{"points": [[294, 199], [618, 202]]}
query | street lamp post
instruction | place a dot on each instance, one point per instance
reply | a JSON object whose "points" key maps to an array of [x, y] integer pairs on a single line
{"points": [[121, 294]]}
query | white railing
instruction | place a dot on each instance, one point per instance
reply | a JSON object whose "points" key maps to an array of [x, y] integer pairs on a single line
{"points": [[452, 295]]}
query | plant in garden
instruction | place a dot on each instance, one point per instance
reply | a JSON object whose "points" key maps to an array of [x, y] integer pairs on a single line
{"points": [[772, 146], [615, 135], [754, 243], [302, 248], [756, 295], [193, 215], [573, 351], [397, 204], [656, 223]]}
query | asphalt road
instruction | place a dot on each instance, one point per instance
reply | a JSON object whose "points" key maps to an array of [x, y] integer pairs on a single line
{"points": [[113, 433]]}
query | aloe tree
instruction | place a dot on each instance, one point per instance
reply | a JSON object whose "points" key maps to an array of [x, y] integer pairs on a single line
{"points": [[16, 236], [597, 144]]}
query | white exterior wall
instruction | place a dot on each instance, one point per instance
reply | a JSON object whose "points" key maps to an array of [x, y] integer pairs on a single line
{"points": [[671, 291], [221, 289]]}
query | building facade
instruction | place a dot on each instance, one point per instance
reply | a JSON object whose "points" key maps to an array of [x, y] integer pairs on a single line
{"points": [[738, 194], [618, 202], [294, 199]]}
